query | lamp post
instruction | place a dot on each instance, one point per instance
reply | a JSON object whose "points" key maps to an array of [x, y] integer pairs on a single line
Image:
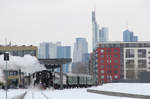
{"points": [[6, 58]]}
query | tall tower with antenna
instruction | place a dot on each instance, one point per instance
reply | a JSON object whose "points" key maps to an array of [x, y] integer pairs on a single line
{"points": [[95, 29]]}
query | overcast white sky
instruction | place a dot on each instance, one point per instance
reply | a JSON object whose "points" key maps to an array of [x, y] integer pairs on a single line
{"points": [[27, 22]]}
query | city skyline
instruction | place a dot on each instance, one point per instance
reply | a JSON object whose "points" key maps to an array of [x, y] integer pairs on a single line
{"points": [[26, 22]]}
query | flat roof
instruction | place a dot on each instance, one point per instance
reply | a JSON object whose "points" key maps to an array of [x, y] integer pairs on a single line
{"points": [[59, 61], [112, 42]]}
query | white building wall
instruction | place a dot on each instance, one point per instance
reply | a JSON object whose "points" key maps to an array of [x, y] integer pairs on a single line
{"points": [[136, 58]]}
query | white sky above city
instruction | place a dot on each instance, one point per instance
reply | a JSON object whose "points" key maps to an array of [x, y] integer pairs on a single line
{"points": [[26, 22]]}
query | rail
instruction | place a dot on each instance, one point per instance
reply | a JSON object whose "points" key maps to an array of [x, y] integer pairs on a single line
{"points": [[21, 96]]}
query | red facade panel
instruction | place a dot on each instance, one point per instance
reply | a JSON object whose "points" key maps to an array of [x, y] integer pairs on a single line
{"points": [[108, 61]]}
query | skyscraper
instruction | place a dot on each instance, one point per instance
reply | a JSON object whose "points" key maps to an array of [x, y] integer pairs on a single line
{"points": [[64, 52], [95, 31], [44, 50], [103, 34], [80, 48], [47, 50], [128, 36], [135, 38]]}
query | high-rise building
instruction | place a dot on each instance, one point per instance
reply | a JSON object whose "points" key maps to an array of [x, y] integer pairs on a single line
{"points": [[80, 48], [103, 34], [52, 50], [128, 36], [47, 50], [98, 35], [135, 38], [64, 52], [95, 31], [44, 50]]}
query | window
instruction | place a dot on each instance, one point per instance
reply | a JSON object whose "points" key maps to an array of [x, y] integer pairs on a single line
{"points": [[102, 66], [130, 53], [102, 71], [108, 66], [115, 56], [102, 61], [130, 64], [116, 61], [115, 72], [115, 50], [102, 77], [109, 71], [108, 61], [142, 63], [102, 51], [115, 66], [142, 53], [115, 76], [108, 50], [108, 56], [102, 56]]}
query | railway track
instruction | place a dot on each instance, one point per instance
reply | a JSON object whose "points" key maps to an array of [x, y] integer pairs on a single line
{"points": [[44, 95], [31, 95], [21, 96]]}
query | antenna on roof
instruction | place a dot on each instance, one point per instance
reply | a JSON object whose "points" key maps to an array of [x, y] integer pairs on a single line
{"points": [[127, 24], [5, 41]]}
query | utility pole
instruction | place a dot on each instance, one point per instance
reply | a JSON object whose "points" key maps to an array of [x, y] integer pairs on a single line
{"points": [[6, 58]]}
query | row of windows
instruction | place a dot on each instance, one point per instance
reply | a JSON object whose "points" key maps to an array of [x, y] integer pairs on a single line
{"points": [[109, 56], [130, 53], [109, 77], [21, 53], [109, 50], [124, 45], [109, 72], [109, 61], [109, 66]]}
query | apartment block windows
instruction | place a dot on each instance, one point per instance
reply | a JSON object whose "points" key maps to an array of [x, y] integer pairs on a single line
{"points": [[142, 53], [130, 63], [142, 63], [130, 53], [102, 51]]}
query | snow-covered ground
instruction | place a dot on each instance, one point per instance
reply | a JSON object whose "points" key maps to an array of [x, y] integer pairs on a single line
{"points": [[133, 88], [81, 93], [67, 94], [11, 93]]}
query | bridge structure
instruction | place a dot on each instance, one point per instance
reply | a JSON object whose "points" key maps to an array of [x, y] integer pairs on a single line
{"points": [[56, 63]]}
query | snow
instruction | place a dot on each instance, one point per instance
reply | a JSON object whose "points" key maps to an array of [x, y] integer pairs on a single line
{"points": [[28, 64], [11, 93], [133, 88], [81, 93]]}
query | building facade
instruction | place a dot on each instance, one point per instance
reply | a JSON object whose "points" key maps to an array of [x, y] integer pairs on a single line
{"points": [[128, 36], [132, 59], [108, 61], [19, 50], [48, 50], [64, 52], [80, 48], [103, 34]]}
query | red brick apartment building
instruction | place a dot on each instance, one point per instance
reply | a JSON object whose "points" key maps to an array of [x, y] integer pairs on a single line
{"points": [[108, 64]]}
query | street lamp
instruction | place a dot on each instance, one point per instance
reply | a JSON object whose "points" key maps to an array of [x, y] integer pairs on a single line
{"points": [[6, 58]]}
